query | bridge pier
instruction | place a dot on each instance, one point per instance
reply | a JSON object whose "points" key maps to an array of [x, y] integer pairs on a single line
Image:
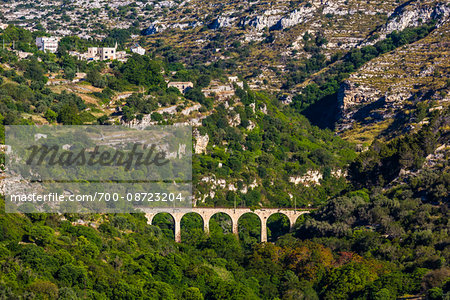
{"points": [[178, 231], [206, 224], [234, 226], [263, 229]]}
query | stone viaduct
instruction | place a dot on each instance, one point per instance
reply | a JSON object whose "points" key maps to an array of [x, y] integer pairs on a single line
{"points": [[234, 214]]}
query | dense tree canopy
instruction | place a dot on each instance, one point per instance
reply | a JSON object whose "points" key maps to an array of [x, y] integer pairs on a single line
{"points": [[140, 70]]}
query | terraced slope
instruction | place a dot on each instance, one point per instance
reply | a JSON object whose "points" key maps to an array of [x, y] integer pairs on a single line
{"points": [[385, 94]]}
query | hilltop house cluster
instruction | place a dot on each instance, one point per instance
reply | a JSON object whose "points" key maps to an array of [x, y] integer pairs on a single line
{"points": [[50, 44]]}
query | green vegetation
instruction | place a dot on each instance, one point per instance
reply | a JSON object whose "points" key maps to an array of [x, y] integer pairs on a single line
{"points": [[281, 146], [381, 233], [383, 162], [140, 70], [364, 245]]}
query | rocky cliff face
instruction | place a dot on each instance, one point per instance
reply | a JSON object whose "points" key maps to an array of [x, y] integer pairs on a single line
{"points": [[262, 22], [279, 20], [222, 22], [296, 17], [201, 142], [414, 13], [154, 28]]}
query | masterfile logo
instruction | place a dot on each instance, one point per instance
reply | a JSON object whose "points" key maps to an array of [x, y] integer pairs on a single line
{"points": [[100, 153], [130, 159], [98, 168]]}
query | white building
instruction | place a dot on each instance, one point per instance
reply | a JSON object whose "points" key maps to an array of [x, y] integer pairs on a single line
{"points": [[101, 53], [136, 48], [49, 44], [107, 53]]}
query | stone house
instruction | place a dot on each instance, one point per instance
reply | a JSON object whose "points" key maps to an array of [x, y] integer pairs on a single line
{"points": [[183, 87]]}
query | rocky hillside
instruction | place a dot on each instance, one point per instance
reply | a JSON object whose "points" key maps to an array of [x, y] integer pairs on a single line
{"points": [[392, 93], [262, 40], [269, 33]]}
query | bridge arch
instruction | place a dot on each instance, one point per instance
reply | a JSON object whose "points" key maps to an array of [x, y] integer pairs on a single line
{"points": [[165, 221], [191, 214], [221, 215], [251, 214], [278, 223]]}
